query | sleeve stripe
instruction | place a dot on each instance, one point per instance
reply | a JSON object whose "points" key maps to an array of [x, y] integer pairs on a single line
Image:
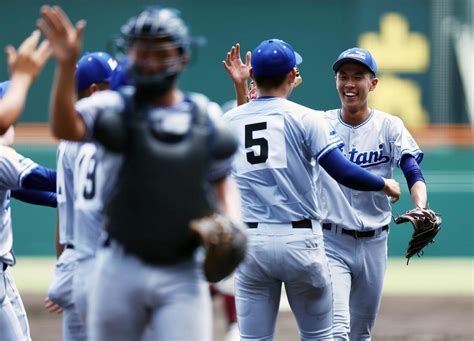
{"points": [[417, 154], [24, 173], [337, 144]]}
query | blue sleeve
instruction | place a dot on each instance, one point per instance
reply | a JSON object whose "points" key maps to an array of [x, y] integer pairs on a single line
{"points": [[41, 179], [411, 170], [32, 196], [349, 174]]}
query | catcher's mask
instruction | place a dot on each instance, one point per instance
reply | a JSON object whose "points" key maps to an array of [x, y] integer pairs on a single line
{"points": [[158, 44]]}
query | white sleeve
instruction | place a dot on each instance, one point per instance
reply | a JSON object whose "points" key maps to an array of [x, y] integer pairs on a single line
{"points": [[402, 142], [319, 135], [13, 168], [98, 102]]}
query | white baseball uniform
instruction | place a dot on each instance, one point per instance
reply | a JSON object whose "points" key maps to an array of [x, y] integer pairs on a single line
{"points": [[128, 293], [279, 142], [356, 226], [13, 320], [60, 289]]}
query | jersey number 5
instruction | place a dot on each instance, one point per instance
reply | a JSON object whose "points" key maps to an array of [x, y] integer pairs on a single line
{"points": [[250, 141]]}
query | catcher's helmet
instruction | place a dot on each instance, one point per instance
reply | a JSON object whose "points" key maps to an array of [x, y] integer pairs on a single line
{"points": [[158, 42]]}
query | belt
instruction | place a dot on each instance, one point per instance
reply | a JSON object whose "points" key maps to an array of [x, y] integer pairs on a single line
{"points": [[68, 246], [354, 233], [301, 224]]}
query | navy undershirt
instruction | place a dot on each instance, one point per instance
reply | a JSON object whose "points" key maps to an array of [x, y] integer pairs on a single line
{"points": [[41, 179], [411, 170], [349, 174], [32, 196]]}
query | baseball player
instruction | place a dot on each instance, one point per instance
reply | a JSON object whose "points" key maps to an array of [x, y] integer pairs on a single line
{"points": [[356, 227], [152, 292], [24, 65], [31, 196], [76, 227], [277, 167], [23, 175]]}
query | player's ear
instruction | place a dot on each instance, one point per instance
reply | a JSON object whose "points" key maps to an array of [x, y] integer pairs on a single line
{"points": [[185, 59], [251, 75], [93, 88], [292, 76], [373, 83]]}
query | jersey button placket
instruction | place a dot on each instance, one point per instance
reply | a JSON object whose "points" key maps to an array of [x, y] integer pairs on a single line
{"points": [[352, 145]]}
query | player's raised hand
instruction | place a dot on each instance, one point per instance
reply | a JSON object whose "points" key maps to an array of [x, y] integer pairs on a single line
{"points": [[65, 39], [392, 189], [238, 71], [29, 59], [51, 306]]}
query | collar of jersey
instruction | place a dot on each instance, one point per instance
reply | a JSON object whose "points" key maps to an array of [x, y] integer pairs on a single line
{"points": [[265, 98], [339, 116]]}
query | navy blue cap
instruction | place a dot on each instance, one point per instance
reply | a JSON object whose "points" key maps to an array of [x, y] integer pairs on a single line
{"points": [[274, 57], [357, 55], [4, 87], [94, 67]]}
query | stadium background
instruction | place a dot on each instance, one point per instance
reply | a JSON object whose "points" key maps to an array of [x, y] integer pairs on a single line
{"points": [[414, 43], [424, 50]]}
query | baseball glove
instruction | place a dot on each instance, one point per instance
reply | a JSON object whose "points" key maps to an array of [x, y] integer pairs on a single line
{"points": [[225, 244], [426, 225]]}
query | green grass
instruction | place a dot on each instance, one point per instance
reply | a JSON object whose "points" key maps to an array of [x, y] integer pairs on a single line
{"points": [[427, 276], [430, 276]]}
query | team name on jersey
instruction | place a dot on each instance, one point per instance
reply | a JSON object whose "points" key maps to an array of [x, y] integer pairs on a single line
{"points": [[368, 158]]}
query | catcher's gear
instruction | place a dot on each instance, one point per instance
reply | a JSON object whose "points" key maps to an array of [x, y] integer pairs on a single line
{"points": [[426, 224], [152, 35], [163, 182], [225, 244]]}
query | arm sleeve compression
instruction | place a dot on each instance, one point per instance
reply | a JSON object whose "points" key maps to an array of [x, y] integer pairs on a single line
{"points": [[350, 174]]}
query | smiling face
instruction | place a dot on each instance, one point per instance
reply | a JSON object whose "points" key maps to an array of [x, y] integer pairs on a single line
{"points": [[354, 81]]}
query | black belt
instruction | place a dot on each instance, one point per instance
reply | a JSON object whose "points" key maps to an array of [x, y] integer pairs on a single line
{"points": [[301, 224], [354, 233], [68, 246]]}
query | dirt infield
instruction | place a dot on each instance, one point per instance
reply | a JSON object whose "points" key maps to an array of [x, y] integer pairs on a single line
{"points": [[401, 318]]}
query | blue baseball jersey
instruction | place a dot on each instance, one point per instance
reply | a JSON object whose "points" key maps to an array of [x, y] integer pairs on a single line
{"points": [[65, 158], [13, 170], [377, 145], [280, 143]]}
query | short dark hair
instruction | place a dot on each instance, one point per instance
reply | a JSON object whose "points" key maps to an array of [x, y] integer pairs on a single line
{"points": [[85, 92], [268, 83]]}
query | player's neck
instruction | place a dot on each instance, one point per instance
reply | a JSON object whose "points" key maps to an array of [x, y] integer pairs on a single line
{"points": [[355, 117], [282, 92]]}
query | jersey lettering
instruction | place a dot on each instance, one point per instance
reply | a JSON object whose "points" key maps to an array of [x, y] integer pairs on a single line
{"points": [[262, 144], [251, 141], [369, 158], [85, 180]]}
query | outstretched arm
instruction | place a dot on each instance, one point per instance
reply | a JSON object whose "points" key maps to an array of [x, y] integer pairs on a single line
{"points": [[42, 198], [239, 72], [65, 40], [24, 65], [355, 177]]}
